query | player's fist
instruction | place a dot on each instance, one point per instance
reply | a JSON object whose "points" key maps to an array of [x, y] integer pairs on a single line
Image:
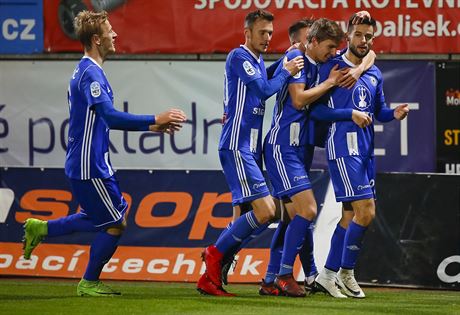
{"points": [[362, 119], [401, 111]]}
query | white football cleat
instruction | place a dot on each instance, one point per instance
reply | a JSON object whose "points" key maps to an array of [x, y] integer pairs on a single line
{"points": [[326, 282], [347, 282]]}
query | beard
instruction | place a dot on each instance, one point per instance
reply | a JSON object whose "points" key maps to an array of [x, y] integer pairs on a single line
{"points": [[356, 52]]}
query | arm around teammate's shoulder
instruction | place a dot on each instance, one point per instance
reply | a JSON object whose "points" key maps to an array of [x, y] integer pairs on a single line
{"points": [[264, 89]]}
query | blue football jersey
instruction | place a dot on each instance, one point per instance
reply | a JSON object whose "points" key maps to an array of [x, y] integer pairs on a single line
{"points": [[88, 138], [288, 125], [345, 138], [243, 110]]}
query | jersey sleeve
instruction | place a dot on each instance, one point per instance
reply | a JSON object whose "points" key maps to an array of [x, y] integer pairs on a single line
{"points": [[94, 88], [382, 112], [244, 69], [300, 76]]}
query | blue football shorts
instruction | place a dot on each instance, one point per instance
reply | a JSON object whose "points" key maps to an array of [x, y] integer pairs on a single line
{"points": [[100, 199], [286, 169], [243, 172], [353, 177]]}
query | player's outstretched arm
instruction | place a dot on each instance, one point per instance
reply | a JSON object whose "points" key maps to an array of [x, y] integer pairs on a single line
{"points": [[121, 120], [325, 113]]}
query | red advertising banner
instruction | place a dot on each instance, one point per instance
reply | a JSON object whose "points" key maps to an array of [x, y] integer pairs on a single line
{"points": [[210, 26]]}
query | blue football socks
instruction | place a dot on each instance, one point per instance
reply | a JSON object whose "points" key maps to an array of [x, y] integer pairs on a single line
{"points": [[102, 249], [293, 241], [334, 258], [240, 229], [306, 254], [276, 250], [352, 245]]}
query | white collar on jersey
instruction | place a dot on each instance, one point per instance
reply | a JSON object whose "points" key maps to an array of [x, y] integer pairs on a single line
{"points": [[249, 51], [348, 62], [310, 59], [94, 61]]}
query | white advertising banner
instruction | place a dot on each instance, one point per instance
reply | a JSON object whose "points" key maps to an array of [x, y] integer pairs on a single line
{"points": [[34, 112]]}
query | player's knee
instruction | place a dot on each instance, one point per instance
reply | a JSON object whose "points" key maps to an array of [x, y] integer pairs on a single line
{"points": [[308, 211], [366, 216], [268, 214], [117, 229], [271, 212]]}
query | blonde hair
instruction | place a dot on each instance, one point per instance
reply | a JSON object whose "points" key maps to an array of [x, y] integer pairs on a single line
{"points": [[87, 24]]}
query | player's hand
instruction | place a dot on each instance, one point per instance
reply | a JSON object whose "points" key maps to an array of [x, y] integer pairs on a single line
{"points": [[169, 116], [349, 79], [360, 16], [169, 128], [362, 119], [294, 65], [401, 111], [336, 75]]}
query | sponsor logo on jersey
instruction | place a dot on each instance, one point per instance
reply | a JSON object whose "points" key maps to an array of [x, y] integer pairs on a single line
{"points": [[248, 68], [353, 247], [370, 185], [258, 185], [95, 89], [297, 178]]}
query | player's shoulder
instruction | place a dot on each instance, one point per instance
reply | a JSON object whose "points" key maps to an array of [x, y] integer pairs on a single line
{"points": [[90, 69], [240, 53], [293, 53], [375, 71], [375, 74]]}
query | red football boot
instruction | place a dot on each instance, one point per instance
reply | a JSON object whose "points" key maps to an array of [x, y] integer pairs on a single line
{"points": [[268, 289], [206, 287], [213, 260], [288, 286]]}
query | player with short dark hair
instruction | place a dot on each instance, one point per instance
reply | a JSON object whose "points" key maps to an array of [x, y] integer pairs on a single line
{"points": [[350, 153], [298, 31], [246, 87], [87, 165]]}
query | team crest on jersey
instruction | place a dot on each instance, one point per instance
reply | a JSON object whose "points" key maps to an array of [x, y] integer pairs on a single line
{"points": [[95, 89], [373, 81], [248, 68], [361, 97]]}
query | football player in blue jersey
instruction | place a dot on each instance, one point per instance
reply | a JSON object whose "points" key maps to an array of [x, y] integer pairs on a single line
{"points": [[350, 153], [285, 150], [88, 166], [246, 87]]}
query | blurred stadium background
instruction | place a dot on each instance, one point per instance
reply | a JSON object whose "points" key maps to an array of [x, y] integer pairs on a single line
{"points": [[172, 54]]}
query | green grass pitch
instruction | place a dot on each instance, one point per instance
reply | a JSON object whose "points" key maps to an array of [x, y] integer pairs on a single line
{"points": [[55, 296]]}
